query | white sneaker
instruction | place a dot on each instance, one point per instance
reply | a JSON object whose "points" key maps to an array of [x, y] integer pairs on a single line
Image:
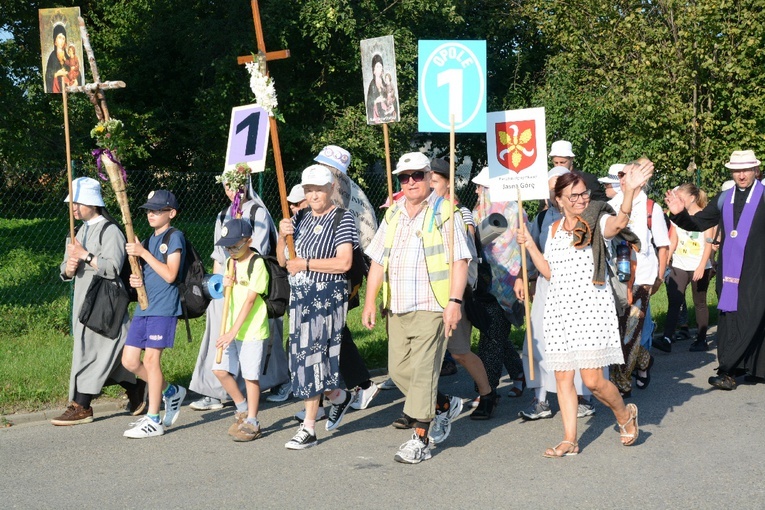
{"points": [[413, 451], [321, 415], [362, 398], [206, 404], [173, 406], [145, 427], [442, 423], [387, 384]]}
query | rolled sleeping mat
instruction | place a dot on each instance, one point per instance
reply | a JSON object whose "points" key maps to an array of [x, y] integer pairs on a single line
{"points": [[492, 227], [212, 286]]}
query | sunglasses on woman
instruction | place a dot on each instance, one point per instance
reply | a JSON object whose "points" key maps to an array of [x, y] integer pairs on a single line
{"points": [[417, 176]]}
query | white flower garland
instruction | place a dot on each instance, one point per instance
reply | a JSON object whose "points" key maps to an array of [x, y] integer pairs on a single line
{"points": [[263, 88]]}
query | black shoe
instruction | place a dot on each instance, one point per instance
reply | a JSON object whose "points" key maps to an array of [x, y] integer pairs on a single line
{"points": [[485, 406], [337, 411], [403, 422], [723, 382], [699, 346], [663, 344], [448, 368], [642, 382]]}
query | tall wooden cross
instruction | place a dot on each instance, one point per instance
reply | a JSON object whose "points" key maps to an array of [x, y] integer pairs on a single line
{"points": [[113, 169], [263, 57]]}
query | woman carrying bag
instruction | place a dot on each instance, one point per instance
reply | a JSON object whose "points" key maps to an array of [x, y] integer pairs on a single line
{"points": [[98, 250]]}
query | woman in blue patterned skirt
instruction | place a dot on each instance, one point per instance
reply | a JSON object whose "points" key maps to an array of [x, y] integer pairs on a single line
{"points": [[318, 300]]}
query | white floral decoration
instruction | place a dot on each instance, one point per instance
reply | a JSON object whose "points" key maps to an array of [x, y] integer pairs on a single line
{"points": [[263, 88]]}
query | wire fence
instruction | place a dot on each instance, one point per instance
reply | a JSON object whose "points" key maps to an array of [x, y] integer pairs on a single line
{"points": [[34, 221]]}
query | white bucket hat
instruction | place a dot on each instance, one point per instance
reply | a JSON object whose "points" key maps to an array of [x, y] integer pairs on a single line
{"points": [[561, 149], [334, 156], [742, 160], [557, 171], [482, 179], [87, 191], [613, 174]]}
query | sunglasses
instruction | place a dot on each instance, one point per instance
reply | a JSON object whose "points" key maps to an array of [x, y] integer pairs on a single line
{"points": [[417, 176]]}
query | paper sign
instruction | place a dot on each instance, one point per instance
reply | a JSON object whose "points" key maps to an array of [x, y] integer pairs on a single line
{"points": [[248, 138], [61, 47], [517, 154], [452, 82]]}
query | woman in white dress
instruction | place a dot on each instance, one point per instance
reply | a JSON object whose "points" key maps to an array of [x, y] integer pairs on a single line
{"points": [[580, 322]]}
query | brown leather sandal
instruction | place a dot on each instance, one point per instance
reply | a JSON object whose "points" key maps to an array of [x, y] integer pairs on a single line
{"points": [[631, 438], [552, 453]]}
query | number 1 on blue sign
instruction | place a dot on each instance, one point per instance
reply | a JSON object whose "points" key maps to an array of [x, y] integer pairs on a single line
{"points": [[453, 79]]}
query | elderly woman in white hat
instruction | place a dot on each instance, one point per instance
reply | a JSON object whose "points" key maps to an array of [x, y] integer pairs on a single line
{"points": [[739, 213], [98, 249], [318, 301]]}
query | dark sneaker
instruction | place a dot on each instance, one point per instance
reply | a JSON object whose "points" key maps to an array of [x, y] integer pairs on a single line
{"points": [[403, 422], [448, 367], [723, 382], [663, 344], [699, 346], [337, 411], [75, 414], [302, 440], [413, 451], [137, 404], [246, 432], [485, 407]]}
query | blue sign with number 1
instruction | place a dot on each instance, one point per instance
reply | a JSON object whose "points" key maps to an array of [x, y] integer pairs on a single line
{"points": [[452, 82]]}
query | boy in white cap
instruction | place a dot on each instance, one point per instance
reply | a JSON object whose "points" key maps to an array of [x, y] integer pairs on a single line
{"points": [[562, 154]]}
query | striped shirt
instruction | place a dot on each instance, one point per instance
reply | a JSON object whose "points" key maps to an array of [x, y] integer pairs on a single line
{"points": [[407, 272], [314, 239]]}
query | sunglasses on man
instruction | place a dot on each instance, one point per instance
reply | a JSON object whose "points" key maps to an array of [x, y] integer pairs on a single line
{"points": [[417, 176]]}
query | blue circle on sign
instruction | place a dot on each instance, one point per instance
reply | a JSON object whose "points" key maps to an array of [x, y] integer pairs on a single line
{"points": [[453, 82]]}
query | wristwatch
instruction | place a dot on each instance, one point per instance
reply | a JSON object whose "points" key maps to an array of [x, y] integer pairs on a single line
{"points": [[89, 258]]}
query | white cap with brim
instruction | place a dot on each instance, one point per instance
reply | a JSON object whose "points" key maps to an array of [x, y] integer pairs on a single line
{"points": [[483, 179], [296, 195], [317, 175], [87, 191], [557, 171], [742, 160], [412, 161], [613, 174], [561, 149]]}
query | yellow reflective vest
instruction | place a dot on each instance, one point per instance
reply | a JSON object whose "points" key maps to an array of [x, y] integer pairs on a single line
{"points": [[433, 246]]}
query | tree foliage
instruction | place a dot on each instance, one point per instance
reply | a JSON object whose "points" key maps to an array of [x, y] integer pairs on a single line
{"points": [[678, 81]]}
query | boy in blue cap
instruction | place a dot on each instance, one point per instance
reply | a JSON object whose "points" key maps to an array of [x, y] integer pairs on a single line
{"points": [[153, 330], [244, 343]]}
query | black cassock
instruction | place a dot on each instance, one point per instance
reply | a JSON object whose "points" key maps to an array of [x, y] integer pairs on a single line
{"points": [[740, 334]]}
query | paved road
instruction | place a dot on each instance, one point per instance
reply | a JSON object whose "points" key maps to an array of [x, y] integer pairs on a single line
{"points": [[698, 448]]}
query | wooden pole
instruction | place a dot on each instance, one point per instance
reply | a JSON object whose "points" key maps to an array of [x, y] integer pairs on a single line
{"points": [[451, 210], [68, 161], [387, 165], [230, 272], [525, 273]]}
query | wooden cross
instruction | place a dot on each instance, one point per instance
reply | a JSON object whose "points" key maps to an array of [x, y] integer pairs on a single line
{"points": [[263, 57], [96, 95]]}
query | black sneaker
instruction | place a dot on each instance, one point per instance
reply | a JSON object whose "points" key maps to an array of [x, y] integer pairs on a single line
{"points": [[663, 344], [699, 346], [485, 406], [723, 382], [302, 440], [337, 411], [403, 422]]}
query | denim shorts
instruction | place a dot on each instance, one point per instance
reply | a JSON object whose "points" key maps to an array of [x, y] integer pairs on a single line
{"points": [[152, 332]]}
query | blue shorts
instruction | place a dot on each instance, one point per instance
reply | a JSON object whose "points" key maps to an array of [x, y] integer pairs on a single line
{"points": [[152, 332]]}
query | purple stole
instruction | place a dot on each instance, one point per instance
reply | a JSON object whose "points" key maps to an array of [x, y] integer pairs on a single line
{"points": [[733, 247]]}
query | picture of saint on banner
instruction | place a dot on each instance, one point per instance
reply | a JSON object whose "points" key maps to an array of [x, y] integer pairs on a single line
{"points": [[61, 48], [378, 65]]}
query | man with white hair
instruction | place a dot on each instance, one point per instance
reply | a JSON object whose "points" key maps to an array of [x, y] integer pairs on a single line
{"points": [[739, 214], [410, 262], [562, 154]]}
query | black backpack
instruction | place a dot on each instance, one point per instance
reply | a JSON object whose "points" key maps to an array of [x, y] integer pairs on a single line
{"points": [[190, 281], [277, 296]]}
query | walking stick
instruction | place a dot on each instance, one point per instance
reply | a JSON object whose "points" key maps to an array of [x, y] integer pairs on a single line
{"points": [[451, 210], [68, 161], [229, 273], [526, 307]]}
